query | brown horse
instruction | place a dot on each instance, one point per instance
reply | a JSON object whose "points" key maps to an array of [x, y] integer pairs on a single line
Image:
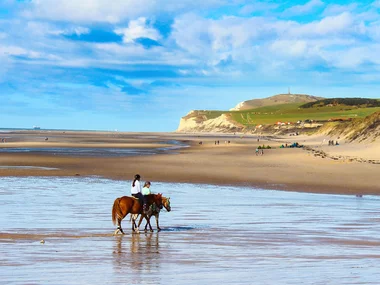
{"points": [[129, 205], [154, 211]]}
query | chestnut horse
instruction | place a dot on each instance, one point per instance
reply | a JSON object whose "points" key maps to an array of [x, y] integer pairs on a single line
{"points": [[154, 211], [129, 205]]}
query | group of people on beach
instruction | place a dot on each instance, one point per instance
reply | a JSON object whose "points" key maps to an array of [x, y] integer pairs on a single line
{"points": [[331, 142], [140, 193], [259, 151]]}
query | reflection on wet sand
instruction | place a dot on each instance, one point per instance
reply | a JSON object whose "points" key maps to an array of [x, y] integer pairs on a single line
{"points": [[138, 253]]}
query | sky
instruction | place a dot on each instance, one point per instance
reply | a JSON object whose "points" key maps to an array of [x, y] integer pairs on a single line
{"points": [[140, 65]]}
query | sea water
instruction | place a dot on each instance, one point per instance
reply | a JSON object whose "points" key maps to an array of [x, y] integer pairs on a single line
{"points": [[214, 234]]}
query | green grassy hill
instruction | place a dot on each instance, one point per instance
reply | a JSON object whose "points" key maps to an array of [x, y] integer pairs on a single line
{"points": [[292, 113], [278, 99]]}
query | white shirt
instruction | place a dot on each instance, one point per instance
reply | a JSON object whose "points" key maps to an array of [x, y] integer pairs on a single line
{"points": [[137, 188]]}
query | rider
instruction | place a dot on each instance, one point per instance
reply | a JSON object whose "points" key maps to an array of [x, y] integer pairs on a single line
{"points": [[136, 189], [146, 191]]}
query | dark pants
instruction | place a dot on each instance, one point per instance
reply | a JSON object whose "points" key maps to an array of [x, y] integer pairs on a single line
{"points": [[140, 197]]}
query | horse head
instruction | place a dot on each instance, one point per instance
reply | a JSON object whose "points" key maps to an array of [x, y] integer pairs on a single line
{"points": [[158, 200], [166, 203]]}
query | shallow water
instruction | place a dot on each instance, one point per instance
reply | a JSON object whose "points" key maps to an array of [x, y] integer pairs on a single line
{"points": [[212, 235], [173, 147], [93, 152]]}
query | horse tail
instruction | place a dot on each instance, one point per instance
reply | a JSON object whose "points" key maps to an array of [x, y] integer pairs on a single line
{"points": [[116, 210]]}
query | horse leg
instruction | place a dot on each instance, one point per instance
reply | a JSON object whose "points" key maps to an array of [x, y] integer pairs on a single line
{"points": [[141, 218], [147, 218], [158, 227], [146, 227], [133, 219], [148, 223], [135, 228], [119, 228]]}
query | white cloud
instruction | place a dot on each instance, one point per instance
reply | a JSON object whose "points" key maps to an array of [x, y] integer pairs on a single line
{"points": [[198, 46], [289, 47], [191, 33], [257, 7], [45, 28], [270, 45], [115, 11], [89, 10], [353, 57], [376, 3], [331, 25], [18, 51], [304, 9], [374, 31], [138, 29], [333, 9]]}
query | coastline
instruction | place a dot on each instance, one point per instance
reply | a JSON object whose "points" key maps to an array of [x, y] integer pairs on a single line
{"points": [[234, 163]]}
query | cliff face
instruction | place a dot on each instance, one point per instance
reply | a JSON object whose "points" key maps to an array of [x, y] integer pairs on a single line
{"points": [[195, 122]]}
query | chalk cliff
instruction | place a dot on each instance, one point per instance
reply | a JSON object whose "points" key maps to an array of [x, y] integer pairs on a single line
{"points": [[195, 121]]}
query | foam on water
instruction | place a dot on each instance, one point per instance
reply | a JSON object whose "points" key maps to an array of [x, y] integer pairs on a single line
{"points": [[214, 234]]}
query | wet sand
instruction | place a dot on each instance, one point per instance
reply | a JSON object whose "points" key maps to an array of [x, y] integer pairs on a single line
{"points": [[318, 169], [213, 235]]}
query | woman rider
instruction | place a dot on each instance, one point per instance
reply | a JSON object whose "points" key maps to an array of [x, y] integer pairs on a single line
{"points": [[136, 190]]}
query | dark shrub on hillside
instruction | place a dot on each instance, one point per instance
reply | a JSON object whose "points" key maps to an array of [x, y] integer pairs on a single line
{"points": [[363, 102]]}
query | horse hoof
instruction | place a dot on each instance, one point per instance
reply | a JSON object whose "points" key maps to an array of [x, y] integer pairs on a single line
{"points": [[151, 231], [116, 232]]}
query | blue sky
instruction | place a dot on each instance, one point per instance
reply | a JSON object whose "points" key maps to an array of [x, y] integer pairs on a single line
{"points": [[139, 65]]}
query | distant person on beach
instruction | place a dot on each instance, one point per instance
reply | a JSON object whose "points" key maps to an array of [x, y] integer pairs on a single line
{"points": [[136, 189], [257, 151]]}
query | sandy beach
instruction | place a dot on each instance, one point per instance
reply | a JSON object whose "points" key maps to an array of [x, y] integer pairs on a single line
{"points": [[343, 169]]}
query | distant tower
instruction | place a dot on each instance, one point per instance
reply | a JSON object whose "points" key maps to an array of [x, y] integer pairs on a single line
{"points": [[289, 90]]}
